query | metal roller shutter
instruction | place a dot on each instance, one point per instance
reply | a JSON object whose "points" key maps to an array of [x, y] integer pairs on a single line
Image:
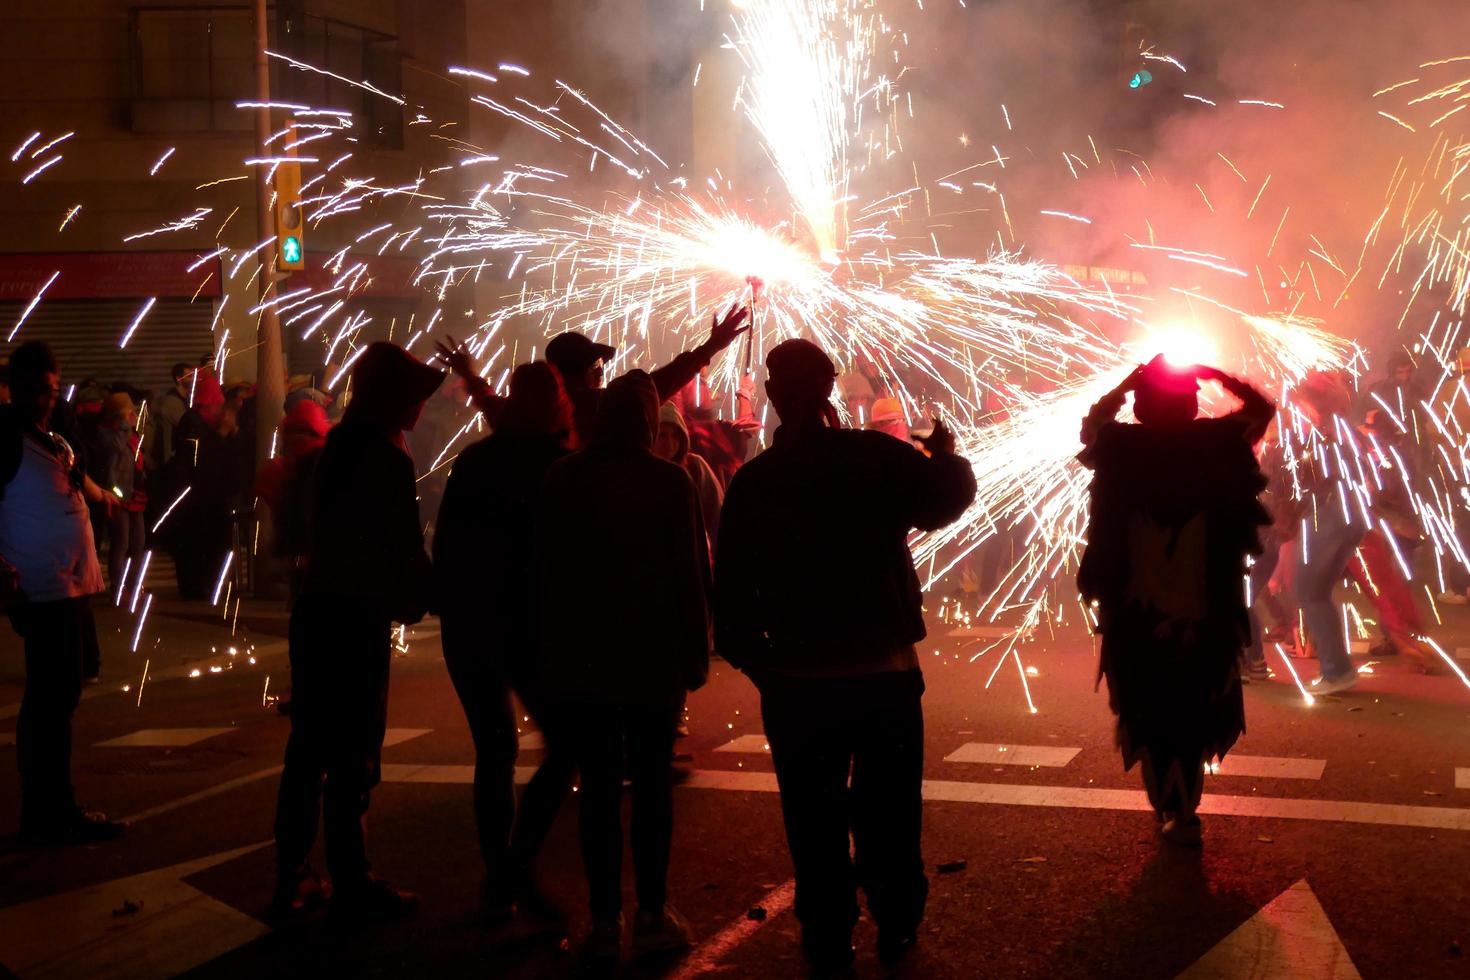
{"points": [[85, 335]]}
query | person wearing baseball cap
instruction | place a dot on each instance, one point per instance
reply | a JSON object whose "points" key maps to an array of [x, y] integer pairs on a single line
{"points": [[582, 363]]}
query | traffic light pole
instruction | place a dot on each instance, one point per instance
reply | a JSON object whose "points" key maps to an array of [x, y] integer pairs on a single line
{"points": [[270, 368]]}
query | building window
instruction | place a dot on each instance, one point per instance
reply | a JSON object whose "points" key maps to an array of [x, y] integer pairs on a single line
{"points": [[191, 65], [355, 53]]}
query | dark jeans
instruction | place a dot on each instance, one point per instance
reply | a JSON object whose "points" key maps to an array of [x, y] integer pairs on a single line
{"points": [[126, 542], [484, 679], [53, 634], [601, 735], [820, 730], [339, 707]]}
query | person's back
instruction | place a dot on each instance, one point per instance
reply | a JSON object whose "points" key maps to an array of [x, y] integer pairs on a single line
{"points": [[366, 543], [817, 601], [621, 583], [621, 555], [484, 533], [816, 527]]}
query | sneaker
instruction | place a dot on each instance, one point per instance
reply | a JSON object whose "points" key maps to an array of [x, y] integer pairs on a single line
{"points": [[81, 826], [1451, 598], [373, 900], [605, 939], [91, 680], [1255, 672], [1321, 685], [1183, 832], [297, 893], [661, 932]]}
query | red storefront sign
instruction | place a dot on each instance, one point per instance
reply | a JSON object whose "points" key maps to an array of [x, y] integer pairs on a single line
{"points": [[109, 275]]}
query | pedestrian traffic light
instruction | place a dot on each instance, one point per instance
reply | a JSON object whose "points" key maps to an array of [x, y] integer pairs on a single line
{"points": [[1140, 78], [290, 247]]}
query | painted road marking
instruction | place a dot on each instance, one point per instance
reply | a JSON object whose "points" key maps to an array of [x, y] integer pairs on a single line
{"points": [[397, 736], [707, 955], [747, 743], [1269, 766], [163, 738], [1050, 756], [173, 928], [203, 794], [1067, 797], [1290, 937], [531, 740], [1462, 779]]}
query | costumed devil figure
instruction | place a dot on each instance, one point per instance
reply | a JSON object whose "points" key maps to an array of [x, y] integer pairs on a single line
{"points": [[1174, 513]]}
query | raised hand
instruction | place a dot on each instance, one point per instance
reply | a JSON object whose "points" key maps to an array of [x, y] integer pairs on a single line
{"points": [[455, 356], [722, 332], [940, 441]]}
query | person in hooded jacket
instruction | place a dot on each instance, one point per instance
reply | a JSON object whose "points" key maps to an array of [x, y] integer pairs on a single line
{"points": [[620, 657], [672, 444], [483, 547], [366, 568], [817, 601]]}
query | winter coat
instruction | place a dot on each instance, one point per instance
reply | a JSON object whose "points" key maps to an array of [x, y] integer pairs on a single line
{"points": [[366, 541], [812, 570], [484, 535], [621, 564]]}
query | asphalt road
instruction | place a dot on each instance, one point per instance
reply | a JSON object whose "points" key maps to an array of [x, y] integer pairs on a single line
{"points": [[1337, 842]]}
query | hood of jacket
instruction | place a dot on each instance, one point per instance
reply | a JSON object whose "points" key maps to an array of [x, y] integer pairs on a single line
{"points": [[669, 414], [627, 413]]}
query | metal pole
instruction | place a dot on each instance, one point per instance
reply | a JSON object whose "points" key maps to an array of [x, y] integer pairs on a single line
{"points": [[270, 368]]}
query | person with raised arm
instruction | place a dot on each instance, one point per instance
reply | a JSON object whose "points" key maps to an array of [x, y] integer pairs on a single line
{"points": [[1174, 513]]}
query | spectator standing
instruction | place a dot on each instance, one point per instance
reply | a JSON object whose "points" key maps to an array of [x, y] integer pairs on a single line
{"points": [[49, 571], [366, 569], [483, 547], [619, 657], [817, 601], [120, 466]]}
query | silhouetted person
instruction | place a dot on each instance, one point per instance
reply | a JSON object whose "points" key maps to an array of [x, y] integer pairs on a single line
{"points": [[582, 362], [366, 569], [483, 553], [286, 482], [622, 575], [1334, 528], [818, 603], [48, 572], [672, 444], [1174, 512], [206, 462], [119, 465]]}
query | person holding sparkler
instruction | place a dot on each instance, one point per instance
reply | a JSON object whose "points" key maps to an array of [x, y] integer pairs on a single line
{"points": [[620, 656], [817, 601], [483, 547], [582, 362], [366, 568], [1174, 513]]}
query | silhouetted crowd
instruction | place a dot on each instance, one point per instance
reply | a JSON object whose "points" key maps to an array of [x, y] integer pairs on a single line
{"points": [[591, 554]]}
